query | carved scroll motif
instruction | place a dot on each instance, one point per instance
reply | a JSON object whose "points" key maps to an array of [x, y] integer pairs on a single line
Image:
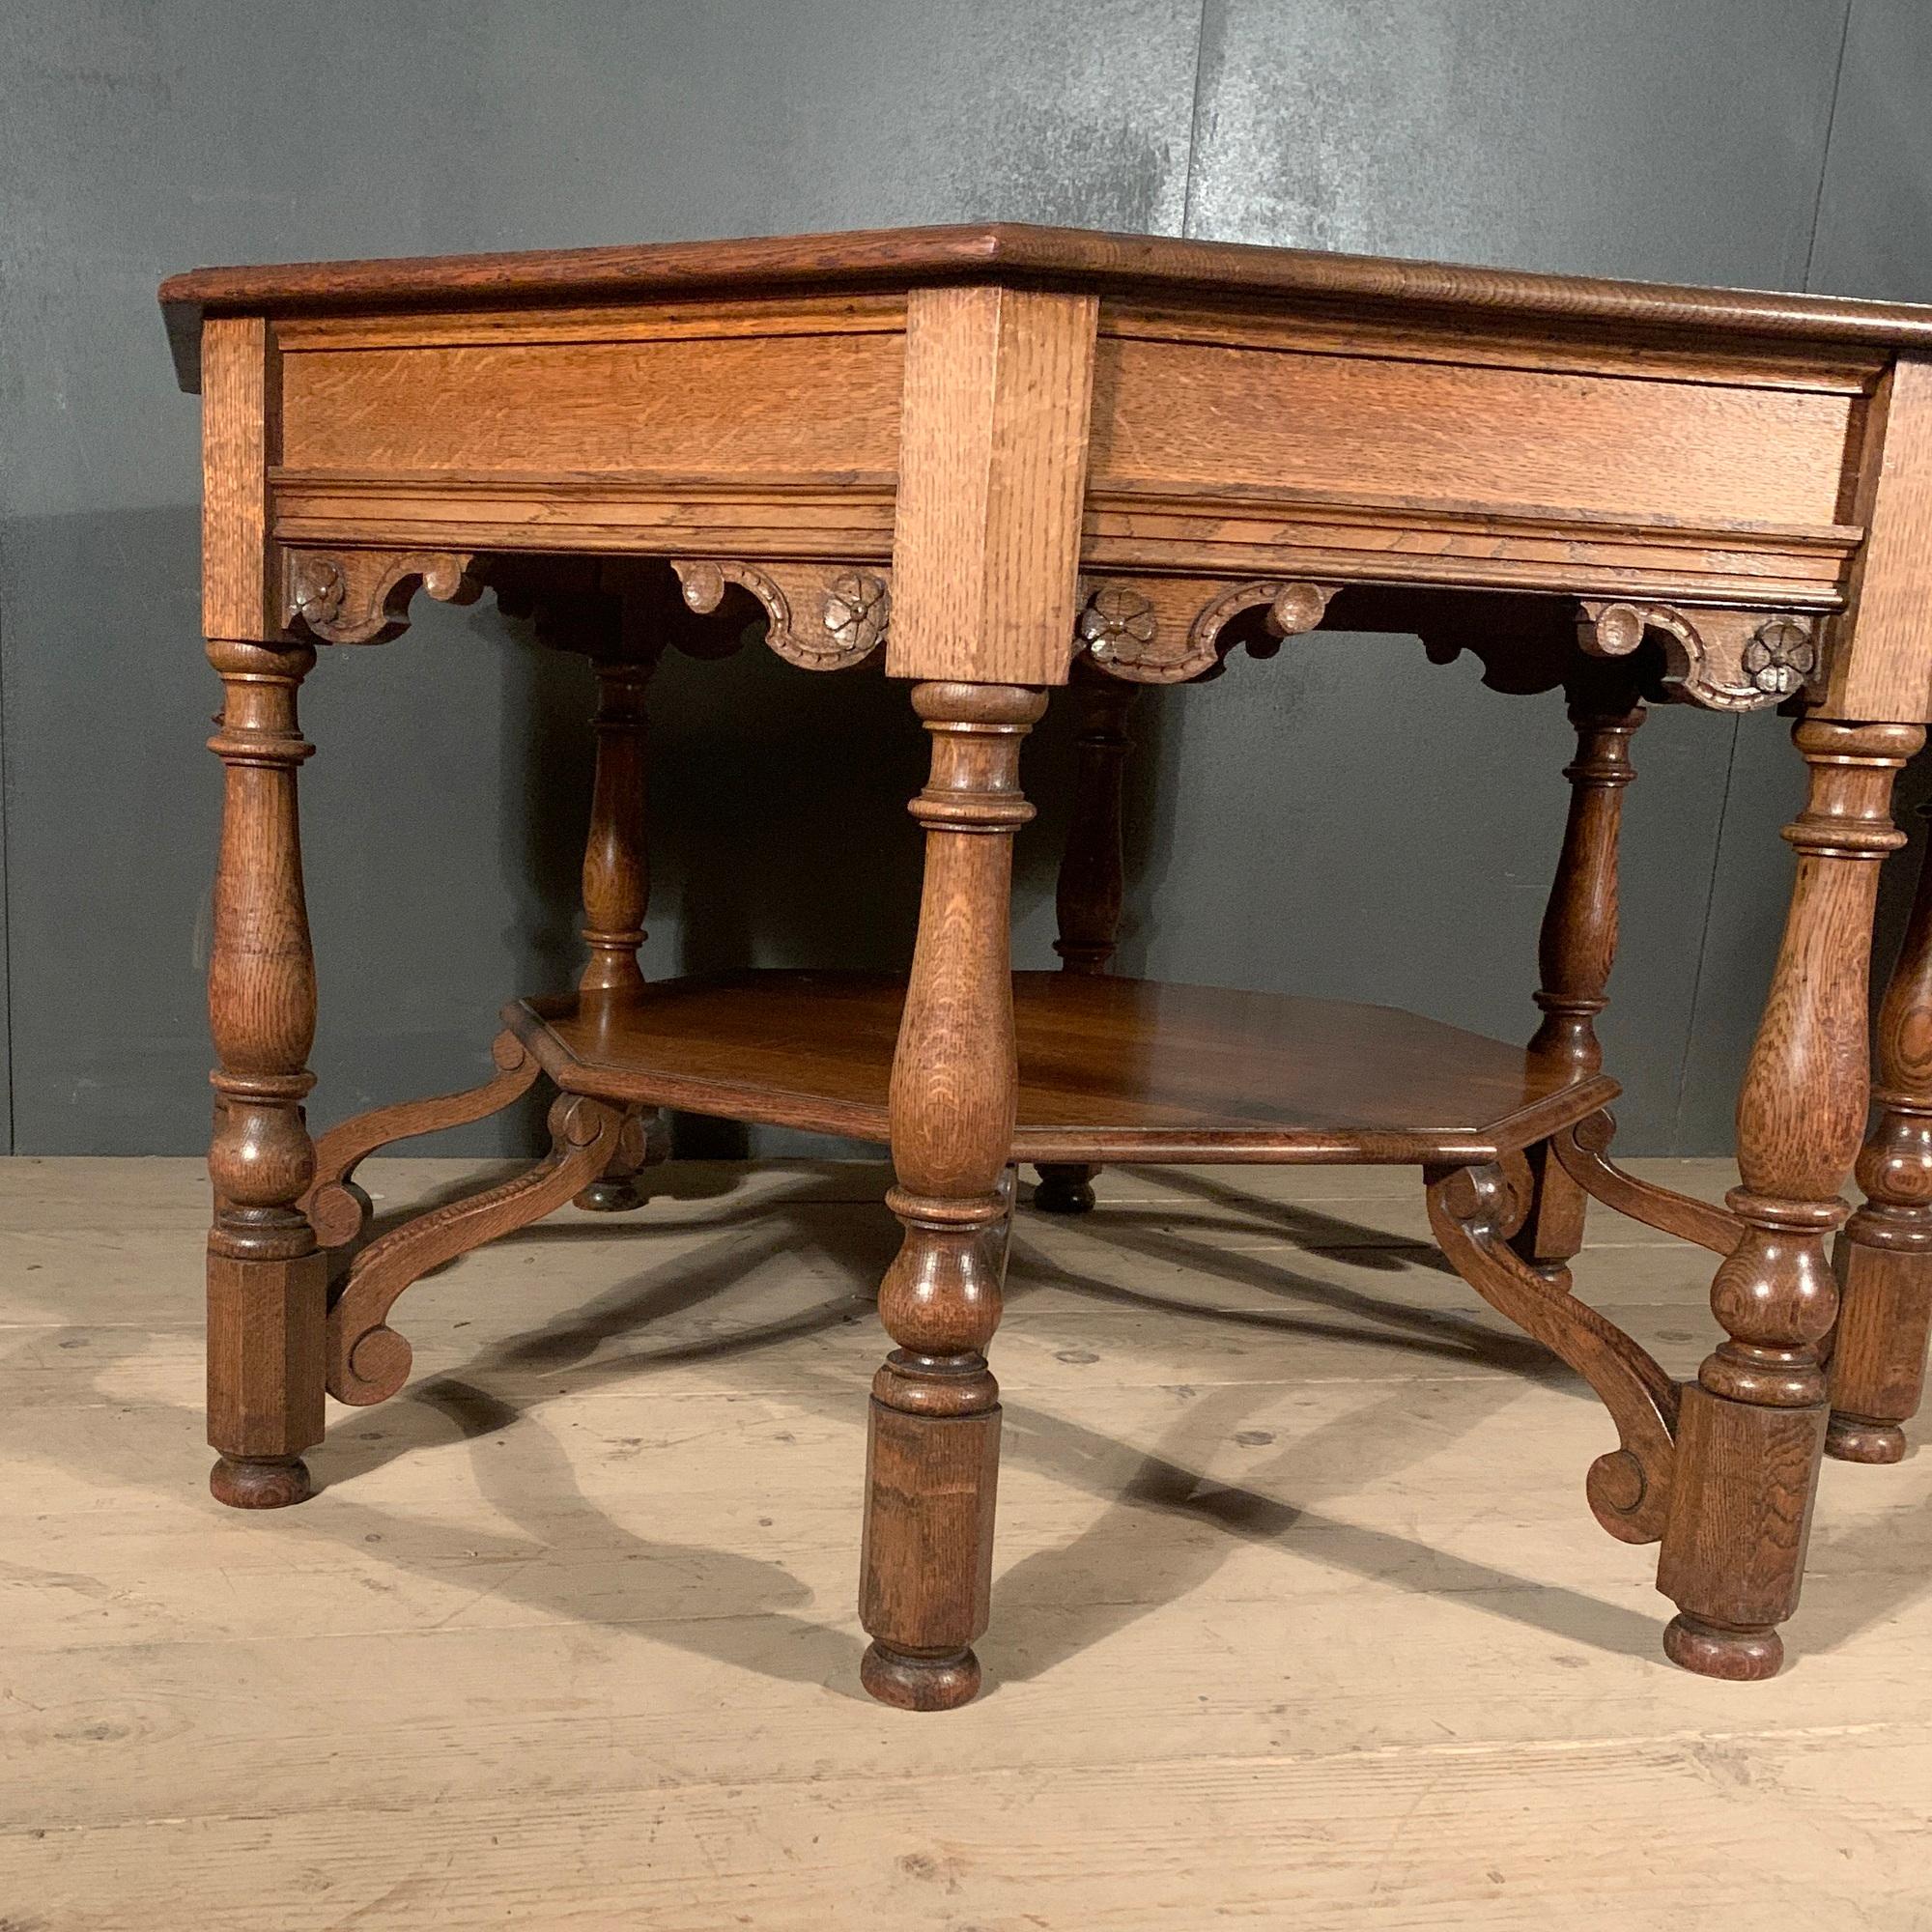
{"points": [[362, 596], [1472, 1212], [1724, 660], [1159, 631], [820, 621]]}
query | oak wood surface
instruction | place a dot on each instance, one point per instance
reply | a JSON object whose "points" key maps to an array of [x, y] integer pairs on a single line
{"points": [[984, 453], [1173, 412], [1753, 1422], [933, 1455], [827, 405], [1115, 1067], [1883, 1259], [992, 477], [1888, 675], [265, 1275], [1076, 258], [240, 414], [1576, 946]]}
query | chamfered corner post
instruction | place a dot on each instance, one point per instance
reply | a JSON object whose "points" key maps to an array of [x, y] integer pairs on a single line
{"points": [[1752, 1427], [1578, 945], [985, 559], [1091, 887], [266, 1286], [1883, 1254], [618, 886]]}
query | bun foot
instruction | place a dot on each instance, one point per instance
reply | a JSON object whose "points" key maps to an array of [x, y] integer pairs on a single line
{"points": [[1064, 1190], [1852, 1440], [613, 1194], [249, 1485], [1710, 1650], [920, 1683]]}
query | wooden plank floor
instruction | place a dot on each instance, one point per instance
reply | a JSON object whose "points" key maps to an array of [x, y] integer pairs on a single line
{"points": [[1299, 1617]]}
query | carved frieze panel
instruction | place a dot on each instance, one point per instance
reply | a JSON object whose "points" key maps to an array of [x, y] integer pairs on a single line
{"points": [[820, 618], [1724, 660], [362, 596], [1157, 630]]}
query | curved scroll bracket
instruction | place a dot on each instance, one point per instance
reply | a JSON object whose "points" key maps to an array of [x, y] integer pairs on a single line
{"points": [[1471, 1210], [337, 1208], [815, 619], [1583, 1152], [1724, 660], [363, 596], [364, 1359], [1169, 629]]}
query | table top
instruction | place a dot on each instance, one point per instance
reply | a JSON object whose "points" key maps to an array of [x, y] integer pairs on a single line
{"points": [[1297, 279]]}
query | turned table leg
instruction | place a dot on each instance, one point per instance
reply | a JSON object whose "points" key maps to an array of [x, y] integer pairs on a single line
{"points": [[925, 1573], [265, 1276], [616, 892], [1092, 875], [1752, 1424], [1883, 1255], [1576, 951]]}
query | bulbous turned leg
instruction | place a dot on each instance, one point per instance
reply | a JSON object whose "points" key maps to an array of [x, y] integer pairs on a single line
{"points": [[1752, 1427], [265, 1276], [925, 1573], [1578, 941], [1883, 1257], [618, 889], [1092, 889], [934, 1456]]}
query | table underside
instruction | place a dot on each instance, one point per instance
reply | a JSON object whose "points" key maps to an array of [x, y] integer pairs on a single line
{"points": [[1110, 1069]]}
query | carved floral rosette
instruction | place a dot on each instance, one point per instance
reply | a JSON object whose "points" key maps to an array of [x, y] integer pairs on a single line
{"points": [[1169, 629], [362, 596], [1724, 660], [819, 618]]}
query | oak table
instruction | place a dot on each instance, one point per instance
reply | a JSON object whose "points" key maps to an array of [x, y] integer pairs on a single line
{"points": [[1007, 461]]}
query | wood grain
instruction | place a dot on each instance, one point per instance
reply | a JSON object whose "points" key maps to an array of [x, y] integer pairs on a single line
{"points": [[336, 1208], [1753, 1423], [824, 405], [367, 1360], [1091, 888], [240, 596], [264, 1272], [1169, 412], [1883, 1254], [1297, 280], [933, 1457], [1883, 667], [986, 534], [1110, 1067], [1576, 946]]}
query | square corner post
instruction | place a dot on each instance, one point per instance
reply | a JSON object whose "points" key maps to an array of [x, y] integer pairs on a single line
{"points": [[985, 560], [265, 1275], [1753, 1423]]}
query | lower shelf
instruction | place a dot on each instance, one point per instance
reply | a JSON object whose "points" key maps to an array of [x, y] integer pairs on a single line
{"points": [[1110, 1069]]}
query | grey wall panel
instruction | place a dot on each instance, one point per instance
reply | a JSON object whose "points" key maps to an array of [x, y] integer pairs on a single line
{"points": [[1875, 210], [6, 1006], [1874, 237], [1647, 139], [447, 797], [1406, 819]]}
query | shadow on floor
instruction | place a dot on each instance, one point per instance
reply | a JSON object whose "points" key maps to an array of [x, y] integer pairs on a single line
{"points": [[1166, 1524]]}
